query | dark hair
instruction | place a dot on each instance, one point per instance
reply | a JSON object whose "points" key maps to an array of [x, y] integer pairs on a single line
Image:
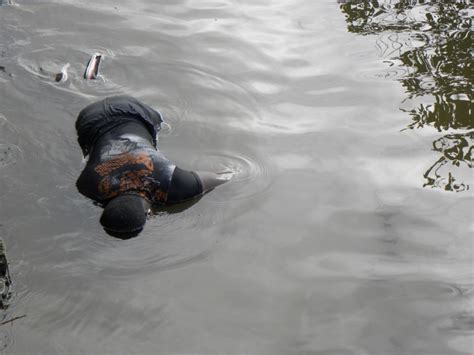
{"points": [[124, 216]]}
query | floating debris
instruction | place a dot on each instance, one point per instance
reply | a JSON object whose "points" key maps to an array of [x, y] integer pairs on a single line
{"points": [[92, 69], [62, 76], [12, 319], [5, 280]]}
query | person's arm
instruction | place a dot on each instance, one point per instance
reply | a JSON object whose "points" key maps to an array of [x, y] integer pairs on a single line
{"points": [[186, 185]]}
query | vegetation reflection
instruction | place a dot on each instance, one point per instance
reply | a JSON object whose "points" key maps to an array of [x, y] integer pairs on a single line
{"points": [[430, 42]]}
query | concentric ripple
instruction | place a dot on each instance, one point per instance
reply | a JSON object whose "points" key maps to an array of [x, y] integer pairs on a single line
{"points": [[250, 176], [43, 65], [187, 233]]}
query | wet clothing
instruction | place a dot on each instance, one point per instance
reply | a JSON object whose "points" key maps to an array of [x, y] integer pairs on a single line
{"points": [[102, 116], [184, 186], [126, 166], [119, 135]]}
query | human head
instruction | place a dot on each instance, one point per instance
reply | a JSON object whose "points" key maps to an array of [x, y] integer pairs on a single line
{"points": [[124, 216]]}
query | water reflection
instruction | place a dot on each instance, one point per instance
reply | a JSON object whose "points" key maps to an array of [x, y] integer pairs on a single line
{"points": [[431, 44], [456, 152]]}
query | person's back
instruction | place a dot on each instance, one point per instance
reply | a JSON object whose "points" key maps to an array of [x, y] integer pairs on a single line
{"points": [[124, 161]]}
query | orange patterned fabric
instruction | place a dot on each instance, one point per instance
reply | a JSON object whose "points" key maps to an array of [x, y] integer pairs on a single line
{"points": [[123, 159], [129, 173]]}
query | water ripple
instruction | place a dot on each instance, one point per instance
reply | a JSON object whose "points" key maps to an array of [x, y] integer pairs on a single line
{"points": [[251, 177], [275, 92], [44, 63]]}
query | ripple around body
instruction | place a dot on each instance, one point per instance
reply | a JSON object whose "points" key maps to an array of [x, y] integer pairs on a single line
{"points": [[178, 236], [43, 64], [250, 176]]}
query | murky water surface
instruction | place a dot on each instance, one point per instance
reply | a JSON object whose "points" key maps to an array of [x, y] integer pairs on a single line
{"points": [[347, 228]]}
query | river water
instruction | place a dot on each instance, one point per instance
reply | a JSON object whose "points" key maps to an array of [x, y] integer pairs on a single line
{"points": [[348, 225]]}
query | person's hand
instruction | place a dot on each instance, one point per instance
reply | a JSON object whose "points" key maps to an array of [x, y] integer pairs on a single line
{"points": [[211, 180]]}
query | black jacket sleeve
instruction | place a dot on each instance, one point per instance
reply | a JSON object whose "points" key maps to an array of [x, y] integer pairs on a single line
{"points": [[184, 186]]}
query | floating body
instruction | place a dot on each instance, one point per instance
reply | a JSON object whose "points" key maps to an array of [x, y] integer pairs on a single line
{"points": [[125, 172]]}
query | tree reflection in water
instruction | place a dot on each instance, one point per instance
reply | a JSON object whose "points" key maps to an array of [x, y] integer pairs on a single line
{"points": [[430, 43]]}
